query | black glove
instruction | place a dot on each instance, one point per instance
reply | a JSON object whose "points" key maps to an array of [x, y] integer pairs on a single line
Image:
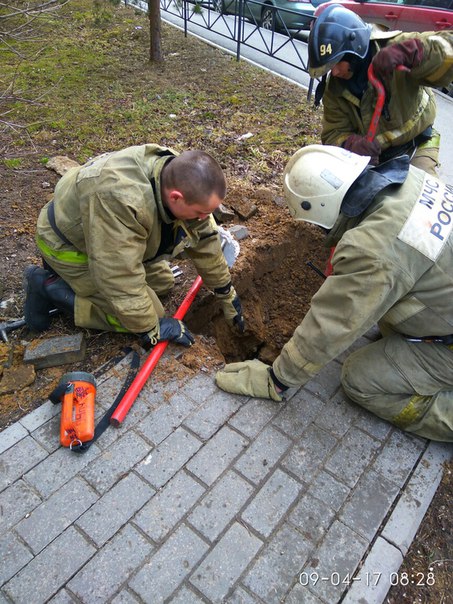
{"points": [[169, 329], [231, 306], [360, 145], [409, 54]]}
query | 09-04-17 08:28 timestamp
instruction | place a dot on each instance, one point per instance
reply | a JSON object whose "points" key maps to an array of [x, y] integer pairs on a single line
{"points": [[370, 579]]}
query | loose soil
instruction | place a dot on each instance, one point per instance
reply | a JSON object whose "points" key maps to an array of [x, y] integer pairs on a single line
{"points": [[271, 273]]}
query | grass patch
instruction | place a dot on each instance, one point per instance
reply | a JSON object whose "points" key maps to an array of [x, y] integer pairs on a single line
{"points": [[89, 87]]}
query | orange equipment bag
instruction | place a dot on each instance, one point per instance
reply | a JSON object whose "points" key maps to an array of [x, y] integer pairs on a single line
{"points": [[77, 412]]}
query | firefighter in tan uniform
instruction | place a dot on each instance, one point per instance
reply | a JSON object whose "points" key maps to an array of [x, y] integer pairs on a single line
{"points": [[409, 65], [392, 226], [106, 236]]}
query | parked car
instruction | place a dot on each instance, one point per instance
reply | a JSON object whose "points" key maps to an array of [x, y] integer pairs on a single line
{"points": [[272, 14], [405, 15]]}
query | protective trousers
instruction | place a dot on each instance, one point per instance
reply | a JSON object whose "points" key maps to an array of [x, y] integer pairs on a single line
{"points": [[408, 384], [91, 309]]}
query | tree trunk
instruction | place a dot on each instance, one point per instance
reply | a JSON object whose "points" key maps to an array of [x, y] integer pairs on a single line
{"points": [[155, 46]]}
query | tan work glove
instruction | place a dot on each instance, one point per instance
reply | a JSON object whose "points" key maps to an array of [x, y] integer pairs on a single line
{"points": [[231, 307], [249, 377]]}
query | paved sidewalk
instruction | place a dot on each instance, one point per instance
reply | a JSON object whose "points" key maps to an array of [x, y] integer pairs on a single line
{"points": [[204, 497]]}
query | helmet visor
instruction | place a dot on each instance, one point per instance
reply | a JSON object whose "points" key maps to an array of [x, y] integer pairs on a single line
{"points": [[318, 72]]}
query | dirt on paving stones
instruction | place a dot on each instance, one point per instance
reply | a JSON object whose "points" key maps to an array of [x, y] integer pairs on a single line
{"points": [[271, 272]]}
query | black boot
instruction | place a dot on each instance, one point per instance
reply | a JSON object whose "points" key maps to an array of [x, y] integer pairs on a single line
{"points": [[45, 291], [37, 304], [60, 294]]}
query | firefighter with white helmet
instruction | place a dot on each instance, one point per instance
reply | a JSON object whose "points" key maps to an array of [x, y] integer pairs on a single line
{"points": [[409, 65], [392, 226]]}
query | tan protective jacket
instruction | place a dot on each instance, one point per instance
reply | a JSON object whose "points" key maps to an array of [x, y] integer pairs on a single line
{"points": [[111, 210], [411, 107], [393, 265]]}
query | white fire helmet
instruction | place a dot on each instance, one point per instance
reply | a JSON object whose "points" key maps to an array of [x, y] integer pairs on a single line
{"points": [[317, 178]]}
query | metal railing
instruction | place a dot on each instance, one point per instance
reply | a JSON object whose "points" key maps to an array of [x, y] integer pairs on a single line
{"points": [[240, 22]]}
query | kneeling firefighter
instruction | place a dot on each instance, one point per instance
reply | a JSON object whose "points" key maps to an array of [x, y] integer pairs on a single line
{"points": [[392, 226], [106, 236]]}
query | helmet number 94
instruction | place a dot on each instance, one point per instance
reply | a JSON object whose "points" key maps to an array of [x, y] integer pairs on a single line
{"points": [[325, 49]]}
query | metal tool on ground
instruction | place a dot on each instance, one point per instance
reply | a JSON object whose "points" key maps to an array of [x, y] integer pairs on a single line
{"points": [[12, 324], [230, 249]]}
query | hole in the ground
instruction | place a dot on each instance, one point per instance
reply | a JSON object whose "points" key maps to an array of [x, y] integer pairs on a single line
{"points": [[275, 286]]}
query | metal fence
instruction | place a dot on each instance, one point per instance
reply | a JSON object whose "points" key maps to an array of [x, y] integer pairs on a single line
{"points": [[242, 24]]}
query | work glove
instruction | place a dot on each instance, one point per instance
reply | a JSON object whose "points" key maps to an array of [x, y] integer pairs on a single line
{"points": [[252, 378], [360, 145], [231, 306], [170, 329], [409, 54]]}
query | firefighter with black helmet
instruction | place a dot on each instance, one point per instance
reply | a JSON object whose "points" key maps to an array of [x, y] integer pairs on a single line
{"points": [[344, 45]]}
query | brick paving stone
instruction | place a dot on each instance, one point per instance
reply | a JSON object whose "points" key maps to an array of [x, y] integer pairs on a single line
{"points": [[240, 596], [374, 425], [217, 454], [15, 503], [40, 416], [271, 502], [48, 434], [182, 403], [208, 418], [334, 561], [220, 505], [12, 435], [369, 503], [53, 516], [160, 424], [115, 508], [326, 382], [226, 562], [62, 597], [312, 518], [352, 456], [18, 459], [104, 471], [402, 525], [306, 459], [299, 413], [14, 555], [329, 490], [278, 565], [168, 567], [58, 468], [163, 463], [186, 596], [337, 416], [262, 455], [111, 566], [253, 416], [199, 388], [124, 597], [49, 571], [168, 506], [301, 595], [374, 578], [399, 446]]}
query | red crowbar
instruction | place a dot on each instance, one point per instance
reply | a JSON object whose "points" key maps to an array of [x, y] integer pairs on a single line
{"points": [[372, 129], [139, 381]]}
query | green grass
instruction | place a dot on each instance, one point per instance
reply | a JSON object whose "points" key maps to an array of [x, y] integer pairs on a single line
{"points": [[89, 87]]}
